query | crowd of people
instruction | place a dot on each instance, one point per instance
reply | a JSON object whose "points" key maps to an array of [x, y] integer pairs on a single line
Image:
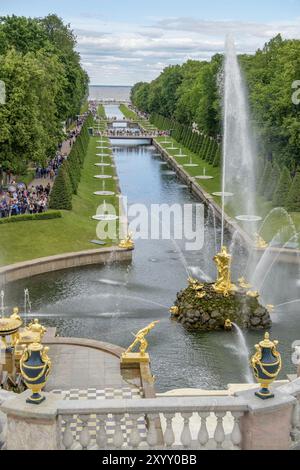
{"points": [[18, 199]]}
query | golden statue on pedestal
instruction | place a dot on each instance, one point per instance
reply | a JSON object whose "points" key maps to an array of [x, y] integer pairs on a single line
{"points": [[140, 338], [260, 242], [127, 243], [224, 285]]}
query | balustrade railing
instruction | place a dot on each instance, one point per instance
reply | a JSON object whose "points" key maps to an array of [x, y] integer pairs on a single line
{"points": [[173, 423]]}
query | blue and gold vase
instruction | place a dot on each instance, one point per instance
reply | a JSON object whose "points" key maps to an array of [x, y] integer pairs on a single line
{"points": [[266, 364], [35, 367]]}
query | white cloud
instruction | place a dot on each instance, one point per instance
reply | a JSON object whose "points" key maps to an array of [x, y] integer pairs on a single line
{"points": [[123, 53]]}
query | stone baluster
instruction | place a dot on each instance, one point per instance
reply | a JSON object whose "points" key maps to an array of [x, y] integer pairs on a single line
{"points": [[101, 438], [118, 439], [67, 438], [295, 433], [152, 432], [219, 435], [203, 436], [169, 436], [186, 436], [236, 435], [135, 438], [84, 436]]}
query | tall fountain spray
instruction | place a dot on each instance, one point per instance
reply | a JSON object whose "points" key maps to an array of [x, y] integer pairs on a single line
{"points": [[238, 177]]}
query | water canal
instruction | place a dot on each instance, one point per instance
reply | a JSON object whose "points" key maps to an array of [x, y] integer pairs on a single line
{"points": [[109, 303]]}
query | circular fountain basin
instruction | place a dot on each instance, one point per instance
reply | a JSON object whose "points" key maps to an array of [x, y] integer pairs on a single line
{"points": [[102, 177], [102, 164], [105, 217], [248, 218], [204, 177], [104, 193], [103, 155], [181, 155], [102, 141], [103, 147], [190, 165], [223, 194], [171, 148], [165, 142]]}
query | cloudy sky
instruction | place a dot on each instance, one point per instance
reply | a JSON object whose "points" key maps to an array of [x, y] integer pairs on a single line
{"points": [[125, 41]]}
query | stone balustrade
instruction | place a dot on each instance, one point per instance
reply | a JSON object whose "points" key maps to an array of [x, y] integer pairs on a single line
{"points": [[186, 423], [235, 422]]}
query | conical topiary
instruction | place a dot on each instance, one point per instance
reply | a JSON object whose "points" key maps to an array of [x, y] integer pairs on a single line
{"points": [[61, 194], [265, 178], [272, 182], [283, 188], [293, 199]]}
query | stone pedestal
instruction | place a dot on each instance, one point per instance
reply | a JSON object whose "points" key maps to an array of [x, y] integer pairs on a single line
{"points": [[31, 427], [267, 425], [133, 360]]}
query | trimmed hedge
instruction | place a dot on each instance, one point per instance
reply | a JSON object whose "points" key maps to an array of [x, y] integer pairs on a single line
{"points": [[26, 217], [68, 178], [205, 146]]}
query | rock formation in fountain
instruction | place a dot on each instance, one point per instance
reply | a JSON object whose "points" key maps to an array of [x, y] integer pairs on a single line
{"points": [[209, 306]]}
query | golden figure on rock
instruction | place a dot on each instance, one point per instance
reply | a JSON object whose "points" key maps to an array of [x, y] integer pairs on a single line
{"points": [[253, 293], [244, 284], [174, 311], [224, 285], [127, 243], [140, 338], [260, 242], [228, 325]]}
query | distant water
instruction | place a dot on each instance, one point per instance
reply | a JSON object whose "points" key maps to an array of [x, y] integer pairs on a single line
{"points": [[100, 92]]}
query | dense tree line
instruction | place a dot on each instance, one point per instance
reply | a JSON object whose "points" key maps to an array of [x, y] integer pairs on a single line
{"points": [[192, 93], [45, 85]]}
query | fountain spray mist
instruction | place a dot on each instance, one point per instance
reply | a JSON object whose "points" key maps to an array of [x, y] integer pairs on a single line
{"points": [[238, 175]]}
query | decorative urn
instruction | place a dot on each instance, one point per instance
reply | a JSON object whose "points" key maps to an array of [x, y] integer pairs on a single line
{"points": [[266, 364], [35, 367]]}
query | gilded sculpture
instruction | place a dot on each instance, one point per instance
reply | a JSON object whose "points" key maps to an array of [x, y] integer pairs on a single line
{"points": [[260, 242], [127, 243], [224, 285], [140, 338]]}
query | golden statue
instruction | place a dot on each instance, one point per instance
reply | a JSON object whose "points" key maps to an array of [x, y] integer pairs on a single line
{"points": [[201, 295], [174, 311], [223, 284], [270, 308], [15, 316], [260, 242], [228, 325], [244, 284], [253, 293], [195, 284], [127, 243], [36, 327], [140, 338]]}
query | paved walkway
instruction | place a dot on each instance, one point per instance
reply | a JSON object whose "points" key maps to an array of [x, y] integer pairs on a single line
{"points": [[65, 150], [81, 367]]}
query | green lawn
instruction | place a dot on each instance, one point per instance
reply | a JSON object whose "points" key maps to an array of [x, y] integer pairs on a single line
{"points": [[277, 220], [35, 239]]}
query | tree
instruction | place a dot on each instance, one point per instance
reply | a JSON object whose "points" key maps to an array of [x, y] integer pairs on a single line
{"points": [[272, 182], [283, 188], [265, 178], [61, 194], [293, 199]]}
